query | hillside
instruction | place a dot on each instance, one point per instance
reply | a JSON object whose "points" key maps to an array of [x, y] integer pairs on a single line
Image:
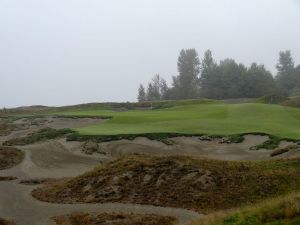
{"points": [[204, 185]]}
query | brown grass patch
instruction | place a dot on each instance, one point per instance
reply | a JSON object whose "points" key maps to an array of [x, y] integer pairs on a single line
{"points": [[113, 219], [284, 210], [10, 157]]}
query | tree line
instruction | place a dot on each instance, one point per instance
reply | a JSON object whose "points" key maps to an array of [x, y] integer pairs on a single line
{"points": [[206, 78]]}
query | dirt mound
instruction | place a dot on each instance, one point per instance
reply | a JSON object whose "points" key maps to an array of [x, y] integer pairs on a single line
{"points": [[113, 219], [10, 157], [191, 183]]}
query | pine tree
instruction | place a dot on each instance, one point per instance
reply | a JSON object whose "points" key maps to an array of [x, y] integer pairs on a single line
{"points": [[285, 67], [141, 94], [186, 84]]}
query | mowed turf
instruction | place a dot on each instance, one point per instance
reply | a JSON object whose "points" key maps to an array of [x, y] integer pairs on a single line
{"points": [[205, 118]]}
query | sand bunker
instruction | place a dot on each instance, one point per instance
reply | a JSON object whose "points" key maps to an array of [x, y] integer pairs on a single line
{"points": [[52, 159], [193, 146]]}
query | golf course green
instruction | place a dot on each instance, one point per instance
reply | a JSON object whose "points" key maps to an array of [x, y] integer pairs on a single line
{"points": [[203, 118]]}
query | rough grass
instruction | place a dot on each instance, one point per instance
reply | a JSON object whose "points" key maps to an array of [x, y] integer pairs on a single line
{"points": [[113, 106], [293, 102], [113, 219], [192, 183], [41, 135], [5, 127], [205, 118], [10, 157], [278, 211]]}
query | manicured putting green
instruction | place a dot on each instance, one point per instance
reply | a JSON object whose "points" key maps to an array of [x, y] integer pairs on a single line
{"points": [[205, 118]]}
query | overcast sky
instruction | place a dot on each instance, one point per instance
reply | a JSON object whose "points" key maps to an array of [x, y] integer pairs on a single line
{"points": [[60, 52]]}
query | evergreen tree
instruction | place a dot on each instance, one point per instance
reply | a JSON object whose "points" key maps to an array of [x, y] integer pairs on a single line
{"points": [[157, 89], [186, 84], [150, 92], [141, 94], [285, 64], [285, 77]]}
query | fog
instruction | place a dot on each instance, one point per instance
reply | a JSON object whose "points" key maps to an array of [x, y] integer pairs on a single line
{"points": [[61, 52]]}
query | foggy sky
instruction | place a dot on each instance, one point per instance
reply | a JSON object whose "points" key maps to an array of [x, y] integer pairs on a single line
{"points": [[61, 52]]}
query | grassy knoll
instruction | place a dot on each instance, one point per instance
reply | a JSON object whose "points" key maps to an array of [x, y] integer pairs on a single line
{"points": [[192, 183], [278, 211], [204, 118]]}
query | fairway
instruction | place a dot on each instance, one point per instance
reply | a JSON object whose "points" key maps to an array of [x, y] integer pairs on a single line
{"points": [[206, 118]]}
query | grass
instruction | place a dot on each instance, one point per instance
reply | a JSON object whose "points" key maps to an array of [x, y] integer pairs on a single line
{"points": [[278, 211], [113, 219], [202, 118], [10, 157], [204, 185]]}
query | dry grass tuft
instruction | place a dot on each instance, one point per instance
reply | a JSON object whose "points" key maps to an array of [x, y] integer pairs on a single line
{"points": [[113, 219], [283, 210], [10, 157]]}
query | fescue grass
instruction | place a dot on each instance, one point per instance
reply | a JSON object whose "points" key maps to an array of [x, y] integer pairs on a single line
{"points": [[283, 210], [204, 118], [10, 157], [114, 219], [193, 183]]}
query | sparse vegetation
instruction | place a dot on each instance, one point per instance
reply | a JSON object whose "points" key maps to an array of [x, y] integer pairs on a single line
{"points": [[113, 219], [10, 157], [5, 127], [278, 211], [41, 135], [204, 185]]}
